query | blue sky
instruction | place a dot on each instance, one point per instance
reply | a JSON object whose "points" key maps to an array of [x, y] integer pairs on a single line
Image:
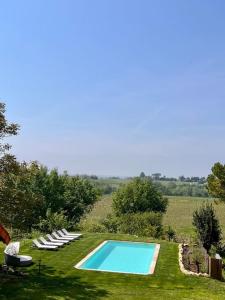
{"points": [[115, 87]]}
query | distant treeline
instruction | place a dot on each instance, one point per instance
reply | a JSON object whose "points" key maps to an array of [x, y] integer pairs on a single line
{"points": [[159, 177], [182, 186], [182, 189], [154, 177]]}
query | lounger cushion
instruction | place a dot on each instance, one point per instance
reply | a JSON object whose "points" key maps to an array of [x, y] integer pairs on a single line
{"points": [[25, 260]]}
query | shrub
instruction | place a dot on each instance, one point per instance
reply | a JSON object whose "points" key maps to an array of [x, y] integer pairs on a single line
{"points": [[207, 226], [138, 195], [53, 221], [141, 224], [111, 223], [170, 233], [195, 258], [91, 226]]}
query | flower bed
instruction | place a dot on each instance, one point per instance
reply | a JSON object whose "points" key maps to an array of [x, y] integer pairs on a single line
{"points": [[187, 264]]}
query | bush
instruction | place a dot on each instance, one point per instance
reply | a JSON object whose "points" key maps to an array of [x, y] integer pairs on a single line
{"points": [[207, 226], [53, 221], [195, 258], [141, 224], [111, 223], [90, 226], [138, 195], [170, 233]]}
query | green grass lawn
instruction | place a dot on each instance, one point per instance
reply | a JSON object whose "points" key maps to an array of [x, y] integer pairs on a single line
{"points": [[60, 280]]}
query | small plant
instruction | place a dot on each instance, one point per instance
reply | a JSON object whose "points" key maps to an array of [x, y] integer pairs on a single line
{"points": [[197, 258], [170, 233]]}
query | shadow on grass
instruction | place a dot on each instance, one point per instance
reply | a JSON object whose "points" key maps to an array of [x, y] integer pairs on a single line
{"points": [[49, 285]]}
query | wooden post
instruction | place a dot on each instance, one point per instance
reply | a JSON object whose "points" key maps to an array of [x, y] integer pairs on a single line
{"points": [[215, 267]]}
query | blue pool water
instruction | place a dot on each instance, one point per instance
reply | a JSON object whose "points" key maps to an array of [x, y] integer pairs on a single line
{"points": [[124, 257]]}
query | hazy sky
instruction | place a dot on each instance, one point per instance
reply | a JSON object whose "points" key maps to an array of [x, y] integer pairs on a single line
{"points": [[116, 87]]}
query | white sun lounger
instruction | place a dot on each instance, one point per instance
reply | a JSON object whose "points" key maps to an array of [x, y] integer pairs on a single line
{"points": [[75, 236], [63, 237], [56, 236], [39, 246], [71, 233], [56, 241], [61, 234], [43, 240]]}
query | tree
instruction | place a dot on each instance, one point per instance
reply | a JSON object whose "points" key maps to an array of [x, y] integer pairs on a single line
{"points": [[207, 226], [20, 204], [79, 197], [142, 175], [138, 195], [216, 181], [156, 176], [6, 130], [7, 161]]}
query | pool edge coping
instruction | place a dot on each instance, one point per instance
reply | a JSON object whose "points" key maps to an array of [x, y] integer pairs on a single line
{"points": [[77, 266], [155, 259], [151, 268]]}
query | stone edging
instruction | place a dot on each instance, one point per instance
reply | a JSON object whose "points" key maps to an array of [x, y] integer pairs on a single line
{"points": [[181, 265]]}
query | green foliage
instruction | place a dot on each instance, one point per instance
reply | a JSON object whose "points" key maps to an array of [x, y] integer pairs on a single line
{"points": [[53, 221], [31, 191], [111, 223], [20, 205], [175, 188], [142, 175], [170, 233], [141, 224], [79, 197], [138, 195], [91, 226], [207, 226], [216, 181], [6, 130], [195, 258]]}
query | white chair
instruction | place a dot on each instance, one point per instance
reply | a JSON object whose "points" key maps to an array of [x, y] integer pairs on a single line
{"points": [[71, 233], [43, 240], [75, 235], [61, 234], [56, 236], [44, 247], [56, 241]]}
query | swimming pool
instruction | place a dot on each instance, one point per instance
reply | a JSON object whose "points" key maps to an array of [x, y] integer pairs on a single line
{"points": [[122, 257]]}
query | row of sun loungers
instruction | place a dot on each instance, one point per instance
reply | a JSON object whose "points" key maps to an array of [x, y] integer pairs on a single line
{"points": [[55, 240]]}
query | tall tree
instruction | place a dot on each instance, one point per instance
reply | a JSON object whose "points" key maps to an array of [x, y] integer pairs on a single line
{"points": [[142, 175], [216, 181], [6, 129], [7, 161], [20, 204], [207, 226], [138, 195]]}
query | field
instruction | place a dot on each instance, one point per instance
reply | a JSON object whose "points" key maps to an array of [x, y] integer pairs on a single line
{"points": [[178, 215], [59, 280]]}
